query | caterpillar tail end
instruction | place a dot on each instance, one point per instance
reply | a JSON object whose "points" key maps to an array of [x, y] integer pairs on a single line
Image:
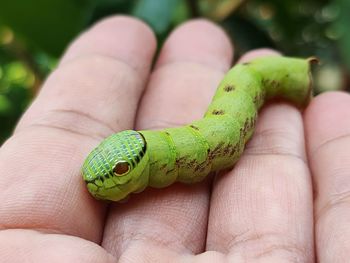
{"points": [[311, 61]]}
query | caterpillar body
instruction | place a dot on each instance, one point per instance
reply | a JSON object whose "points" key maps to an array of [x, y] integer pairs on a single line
{"points": [[129, 161]]}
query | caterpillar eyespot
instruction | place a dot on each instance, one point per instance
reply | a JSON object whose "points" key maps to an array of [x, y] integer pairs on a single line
{"points": [[129, 161], [121, 168]]}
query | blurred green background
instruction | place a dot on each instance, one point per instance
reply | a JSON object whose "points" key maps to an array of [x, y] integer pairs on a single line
{"points": [[33, 35]]}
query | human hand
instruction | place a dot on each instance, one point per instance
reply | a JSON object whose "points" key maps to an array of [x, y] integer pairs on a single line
{"points": [[262, 211]]}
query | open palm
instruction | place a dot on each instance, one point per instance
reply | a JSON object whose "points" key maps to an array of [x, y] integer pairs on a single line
{"points": [[262, 211]]}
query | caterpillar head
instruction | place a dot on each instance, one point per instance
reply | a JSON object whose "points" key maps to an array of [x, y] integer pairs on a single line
{"points": [[117, 167]]}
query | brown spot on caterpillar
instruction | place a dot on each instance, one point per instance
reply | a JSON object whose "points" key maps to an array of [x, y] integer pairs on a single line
{"points": [[271, 83], [231, 149], [163, 167], [258, 98], [218, 112], [264, 82], [200, 167], [191, 164], [167, 133], [208, 154], [212, 154], [153, 163], [194, 127], [218, 147], [245, 128], [248, 126], [229, 88], [234, 149], [226, 150], [169, 171], [246, 63], [275, 84], [180, 161]]}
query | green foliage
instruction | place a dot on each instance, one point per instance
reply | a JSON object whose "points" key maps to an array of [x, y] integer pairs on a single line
{"points": [[49, 25], [33, 34], [338, 30], [156, 13]]}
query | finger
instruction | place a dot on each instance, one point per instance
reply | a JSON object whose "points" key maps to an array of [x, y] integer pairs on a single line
{"points": [[328, 142], [87, 98], [191, 64], [122, 46], [31, 246], [262, 209]]}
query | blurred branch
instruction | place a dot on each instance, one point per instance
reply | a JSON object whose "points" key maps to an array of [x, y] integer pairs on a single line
{"points": [[193, 7], [347, 82]]}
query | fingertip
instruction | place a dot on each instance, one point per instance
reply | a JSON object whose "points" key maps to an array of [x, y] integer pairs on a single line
{"points": [[132, 24], [207, 27], [120, 37], [327, 105], [256, 53], [327, 117], [200, 41], [329, 97]]}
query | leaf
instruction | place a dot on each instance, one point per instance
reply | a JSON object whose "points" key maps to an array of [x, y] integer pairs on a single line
{"points": [[111, 7], [218, 9], [49, 25], [5, 105], [158, 14], [246, 35], [340, 28]]}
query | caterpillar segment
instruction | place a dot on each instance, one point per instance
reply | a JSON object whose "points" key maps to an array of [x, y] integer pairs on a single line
{"points": [[129, 161]]}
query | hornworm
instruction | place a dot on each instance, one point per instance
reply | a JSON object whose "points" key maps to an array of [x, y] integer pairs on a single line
{"points": [[129, 161]]}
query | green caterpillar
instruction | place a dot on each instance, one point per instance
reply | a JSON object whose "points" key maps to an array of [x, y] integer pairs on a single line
{"points": [[129, 161]]}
